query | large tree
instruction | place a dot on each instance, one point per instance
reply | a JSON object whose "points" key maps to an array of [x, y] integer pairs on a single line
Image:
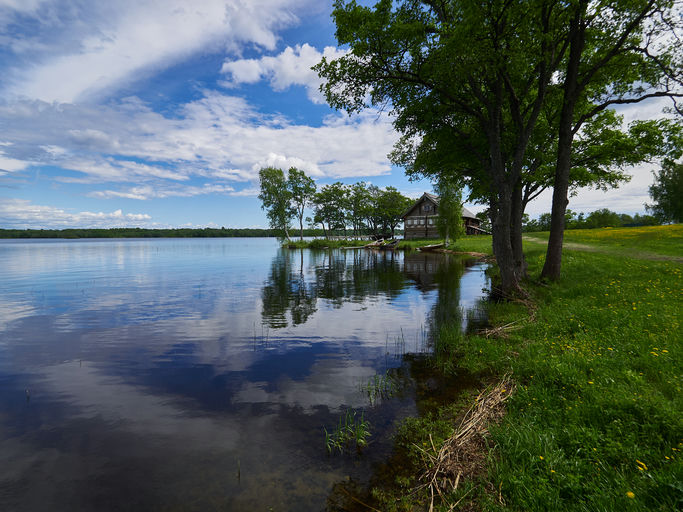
{"points": [[489, 82], [302, 190], [330, 206], [667, 192], [358, 200], [391, 205], [275, 199], [620, 52], [479, 70]]}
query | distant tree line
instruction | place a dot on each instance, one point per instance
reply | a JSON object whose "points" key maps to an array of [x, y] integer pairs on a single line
{"points": [[146, 233], [338, 208], [602, 218], [667, 192]]}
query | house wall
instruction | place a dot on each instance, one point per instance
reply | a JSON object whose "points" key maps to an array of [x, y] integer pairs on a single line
{"points": [[420, 221]]}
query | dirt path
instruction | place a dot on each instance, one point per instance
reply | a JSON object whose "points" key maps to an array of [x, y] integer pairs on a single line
{"points": [[642, 255]]}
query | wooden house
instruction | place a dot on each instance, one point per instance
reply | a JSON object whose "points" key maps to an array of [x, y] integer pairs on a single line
{"points": [[419, 221]]}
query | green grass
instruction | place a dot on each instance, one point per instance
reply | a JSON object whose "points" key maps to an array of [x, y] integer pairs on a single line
{"points": [[665, 240], [323, 243], [349, 432], [595, 423], [479, 243], [600, 374]]}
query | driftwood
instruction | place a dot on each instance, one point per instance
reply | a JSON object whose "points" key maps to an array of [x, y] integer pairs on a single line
{"points": [[463, 455]]}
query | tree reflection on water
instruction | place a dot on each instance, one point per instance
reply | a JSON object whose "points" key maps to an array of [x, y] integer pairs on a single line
{"points": [[300, 279]]}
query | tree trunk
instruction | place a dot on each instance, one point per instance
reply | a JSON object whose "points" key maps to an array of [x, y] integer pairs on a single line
{"points": [[553, 258], [516, 211], [301, 227], [502, 248]]}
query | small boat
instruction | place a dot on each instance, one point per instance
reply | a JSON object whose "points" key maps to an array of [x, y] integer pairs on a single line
{"points": [[388, 245], [432, 247], [374, 245]]}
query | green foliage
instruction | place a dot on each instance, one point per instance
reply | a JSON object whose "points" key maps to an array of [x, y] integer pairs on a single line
{"points": [[380, 387], [601, 218], [275, 199], [494, 93], [595, 422], [391, 204], [302, 191], [329, 206], [667, 192], [351, 431], [449, 222]]}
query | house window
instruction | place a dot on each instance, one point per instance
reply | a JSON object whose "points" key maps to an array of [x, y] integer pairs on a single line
{"points": [[431, 222]]}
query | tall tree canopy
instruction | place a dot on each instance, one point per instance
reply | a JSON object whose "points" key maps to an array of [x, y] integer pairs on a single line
{"points": [[476, 72], [619, 52], [476, 87], [302, 190], [667, 193], [276, 199]]}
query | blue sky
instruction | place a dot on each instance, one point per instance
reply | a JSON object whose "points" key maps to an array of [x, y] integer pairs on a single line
{"points": [[159, 113]]}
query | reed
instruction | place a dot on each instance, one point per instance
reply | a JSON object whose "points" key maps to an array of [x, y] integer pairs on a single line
{"points": [[350, 430], [380, 387]]}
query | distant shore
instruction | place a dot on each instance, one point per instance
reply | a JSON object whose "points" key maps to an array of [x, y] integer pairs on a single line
{"points": [[73, 233]]}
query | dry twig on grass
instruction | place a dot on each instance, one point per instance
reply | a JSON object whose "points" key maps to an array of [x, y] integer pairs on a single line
{"points": [[463, 455]]}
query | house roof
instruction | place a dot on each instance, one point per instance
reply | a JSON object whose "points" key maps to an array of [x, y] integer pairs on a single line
{"points": [[435, 199], [468, 214]]}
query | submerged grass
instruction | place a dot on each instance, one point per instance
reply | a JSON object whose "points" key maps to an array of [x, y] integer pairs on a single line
{"points": [[351, 431], [380, 387], [595, 422]]}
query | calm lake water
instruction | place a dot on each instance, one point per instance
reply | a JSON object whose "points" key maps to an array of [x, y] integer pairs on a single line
{"points": [[198, 374]]}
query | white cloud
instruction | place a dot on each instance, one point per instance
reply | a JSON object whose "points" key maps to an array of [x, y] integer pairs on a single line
{"points": [[150, 192], [21, 213], [628, 198], [11, 164], [86, 49], [216, 137], [291, 67]]}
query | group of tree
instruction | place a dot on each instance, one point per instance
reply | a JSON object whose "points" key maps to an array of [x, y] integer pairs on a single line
{"points": [[603, 218], [667, 193], [355, 209], [513, 96]]}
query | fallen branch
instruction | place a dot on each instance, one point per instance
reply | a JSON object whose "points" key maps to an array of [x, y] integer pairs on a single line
{"points": [[463, 455]]}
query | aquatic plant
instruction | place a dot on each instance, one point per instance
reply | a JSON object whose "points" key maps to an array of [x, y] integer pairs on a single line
{"points": [[350, 431], [379, 387]]}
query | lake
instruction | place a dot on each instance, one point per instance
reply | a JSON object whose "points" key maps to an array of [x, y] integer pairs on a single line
{"points": [[198, 374]]}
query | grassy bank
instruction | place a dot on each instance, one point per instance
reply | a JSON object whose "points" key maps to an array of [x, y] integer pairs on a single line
{"points": [[480, 244], [665, 240], [595, 420]]}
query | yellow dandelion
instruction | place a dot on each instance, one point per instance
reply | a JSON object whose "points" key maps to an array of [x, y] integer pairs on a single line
{"points": [[630, 495], [540, 457]]}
